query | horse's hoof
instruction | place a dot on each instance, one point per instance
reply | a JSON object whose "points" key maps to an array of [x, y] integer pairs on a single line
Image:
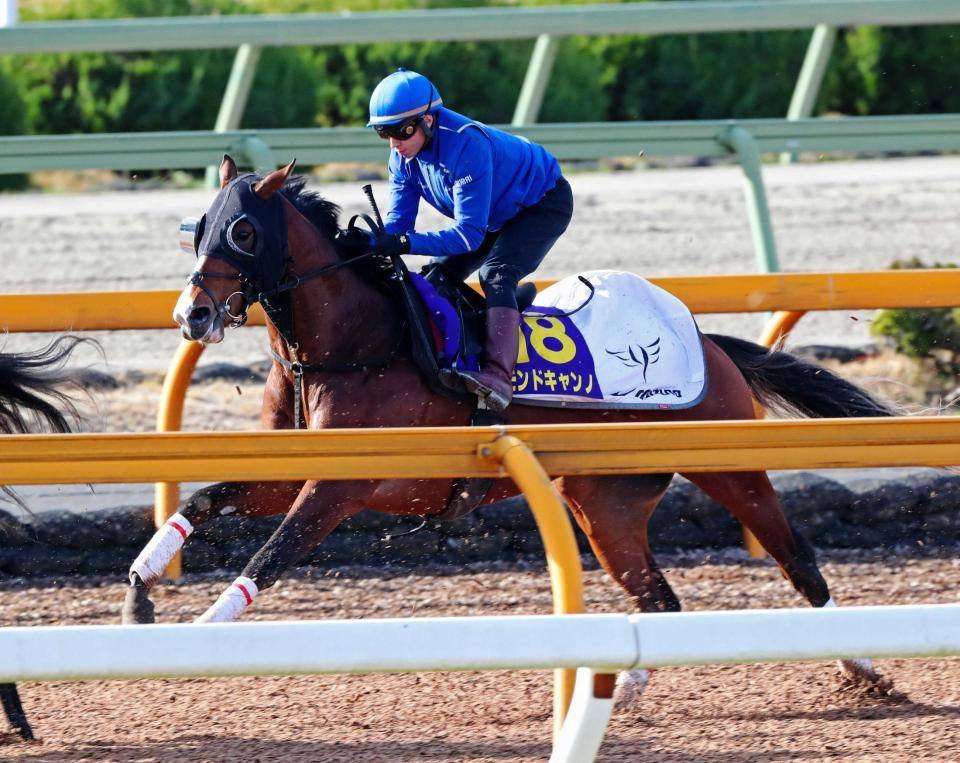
{"points": [[629, 688], [24, 731], [860, 678], [858, 670], [137, 607]]}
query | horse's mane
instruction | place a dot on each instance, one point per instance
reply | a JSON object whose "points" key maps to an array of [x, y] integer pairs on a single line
{"points": [[323, 213]]}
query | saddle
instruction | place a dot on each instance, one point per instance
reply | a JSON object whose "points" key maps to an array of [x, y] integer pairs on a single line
{"points": [[456, 316]]}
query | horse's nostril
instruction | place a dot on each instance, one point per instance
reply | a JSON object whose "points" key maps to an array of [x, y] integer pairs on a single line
{"points": [[199, 315]]}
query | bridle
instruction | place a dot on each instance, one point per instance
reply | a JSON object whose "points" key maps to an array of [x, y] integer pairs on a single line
{"points": [[246, 292], [276, 300]]}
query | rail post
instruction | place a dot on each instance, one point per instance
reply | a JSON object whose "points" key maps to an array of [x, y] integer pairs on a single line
{"points": [[169, 419], [742, 143], [563, 557], [811, 77], [235, 97], [535, 81]]}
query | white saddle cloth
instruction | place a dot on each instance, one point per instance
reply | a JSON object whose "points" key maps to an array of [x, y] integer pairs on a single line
{"points": [[634, 345]]}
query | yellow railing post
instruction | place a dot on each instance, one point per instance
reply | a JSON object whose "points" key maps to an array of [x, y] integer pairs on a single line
{"points": [[560, 544], [169, 419], [779, 326]]}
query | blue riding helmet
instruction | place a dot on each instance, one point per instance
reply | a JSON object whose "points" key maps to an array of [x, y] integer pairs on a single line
{"points": [[402, 96]]}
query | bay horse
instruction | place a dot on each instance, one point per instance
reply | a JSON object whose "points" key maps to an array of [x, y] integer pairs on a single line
{"points": [[32, 398], [261, 231]]}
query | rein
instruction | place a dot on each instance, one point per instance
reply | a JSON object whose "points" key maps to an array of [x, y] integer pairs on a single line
{"points": [[280, 317]]}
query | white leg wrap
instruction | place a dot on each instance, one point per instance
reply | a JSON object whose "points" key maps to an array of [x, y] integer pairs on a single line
{"points": [[862, 665], [164, 544], [630, 685], [231, 603]]}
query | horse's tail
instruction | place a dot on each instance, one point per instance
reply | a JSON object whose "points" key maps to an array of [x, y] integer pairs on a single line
{"points": [[32, 388], [792, 387]]}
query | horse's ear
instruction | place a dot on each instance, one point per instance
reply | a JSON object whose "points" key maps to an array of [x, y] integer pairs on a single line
{"points": [[228, 170], [273, 182]]}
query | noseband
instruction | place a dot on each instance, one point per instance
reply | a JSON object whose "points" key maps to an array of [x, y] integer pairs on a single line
{"points": [[247, 293]]}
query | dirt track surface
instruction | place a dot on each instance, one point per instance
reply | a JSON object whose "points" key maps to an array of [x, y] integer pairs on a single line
{"points": [[729, 714]]}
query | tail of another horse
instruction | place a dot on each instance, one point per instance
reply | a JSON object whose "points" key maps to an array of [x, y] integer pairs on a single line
{"points": [[32, 397], [785, 384], [32, 388]]}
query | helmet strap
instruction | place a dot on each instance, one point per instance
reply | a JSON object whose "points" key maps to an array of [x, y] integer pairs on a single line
{"points": [[427, 130]]}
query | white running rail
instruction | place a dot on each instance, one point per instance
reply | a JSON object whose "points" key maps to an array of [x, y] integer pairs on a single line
{"points": [[602, 643]]}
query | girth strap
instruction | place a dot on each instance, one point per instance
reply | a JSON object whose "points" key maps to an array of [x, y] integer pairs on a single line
{"points": [[469, 492]]}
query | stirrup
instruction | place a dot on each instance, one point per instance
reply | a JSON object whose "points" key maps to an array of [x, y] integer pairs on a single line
{"points": [[491, 399], [467, 384], [453, 380]]}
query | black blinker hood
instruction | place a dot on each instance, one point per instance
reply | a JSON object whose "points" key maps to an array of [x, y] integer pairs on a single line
{"points": [[265, 266]]}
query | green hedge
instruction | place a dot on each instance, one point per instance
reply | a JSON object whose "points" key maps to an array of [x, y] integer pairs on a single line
{"points": [[739, 75], [13, 121], [918, 333]]}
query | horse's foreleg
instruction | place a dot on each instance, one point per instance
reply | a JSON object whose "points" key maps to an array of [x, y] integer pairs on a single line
{"points": [[750, 497], [221, 499], [318, 509], [613, 513]]}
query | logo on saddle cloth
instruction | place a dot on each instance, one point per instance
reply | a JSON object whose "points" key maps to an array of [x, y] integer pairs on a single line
{"points": [[553, 358]]}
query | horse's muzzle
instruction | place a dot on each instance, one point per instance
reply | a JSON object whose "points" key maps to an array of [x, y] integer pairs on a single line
{"points": [[199, 323]]}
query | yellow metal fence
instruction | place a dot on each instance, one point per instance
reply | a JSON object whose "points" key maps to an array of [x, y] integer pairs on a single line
{"points": [[527, 454]]}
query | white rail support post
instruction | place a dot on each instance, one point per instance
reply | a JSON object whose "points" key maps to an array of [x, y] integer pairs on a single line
{"points": [[9, 15], [535, 81], [235, 98], [811, 78], [582, 732], [742, 143]]}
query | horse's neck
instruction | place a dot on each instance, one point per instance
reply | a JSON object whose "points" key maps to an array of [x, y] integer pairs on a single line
{"points": [[337, 317]]}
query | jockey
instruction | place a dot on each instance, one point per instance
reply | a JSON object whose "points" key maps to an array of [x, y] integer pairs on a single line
{"points": [[506, 196]]}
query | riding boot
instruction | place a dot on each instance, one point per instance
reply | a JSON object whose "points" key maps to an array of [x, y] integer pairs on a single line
{"points": [[493, 383]]}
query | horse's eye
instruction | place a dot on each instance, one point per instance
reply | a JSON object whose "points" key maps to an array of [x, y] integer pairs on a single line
{"points": [[243, 237]]}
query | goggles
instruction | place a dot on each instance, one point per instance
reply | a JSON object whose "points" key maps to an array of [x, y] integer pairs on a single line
{"points": [[400, 131]]}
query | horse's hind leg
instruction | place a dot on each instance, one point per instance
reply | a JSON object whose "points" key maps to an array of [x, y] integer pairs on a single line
{"points": [[10, 698], [613, 513], [750, 497], [233, 498]]}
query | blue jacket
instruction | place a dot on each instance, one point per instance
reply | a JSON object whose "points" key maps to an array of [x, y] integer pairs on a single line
{"points": [[478, 175]]}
